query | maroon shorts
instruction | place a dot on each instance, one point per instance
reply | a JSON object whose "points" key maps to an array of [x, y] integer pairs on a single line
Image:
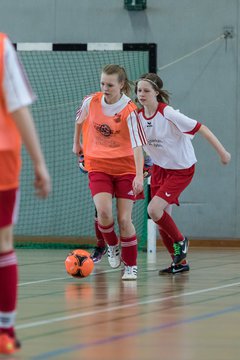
{"points": [[9, 201], [169, 184], [119, 186]]}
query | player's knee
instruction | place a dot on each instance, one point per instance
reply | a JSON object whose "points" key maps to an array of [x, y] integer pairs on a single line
{"points": [[104, 214], [154, 212], [6, 239], [124, 224]]}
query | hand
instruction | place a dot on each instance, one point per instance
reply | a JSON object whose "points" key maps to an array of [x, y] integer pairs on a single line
{"points": [[77, 149], [225, 158], [147, 167], [147, 171], [42, 181], [138, 184], [81, 164]]}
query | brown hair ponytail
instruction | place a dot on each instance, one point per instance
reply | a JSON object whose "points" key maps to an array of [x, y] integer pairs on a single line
{"points": [[122, 76], [157, 84]]}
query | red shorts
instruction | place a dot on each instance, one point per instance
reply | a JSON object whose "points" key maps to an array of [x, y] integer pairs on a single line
{"points": [[169, 184], [9, 205], [120, 186]]}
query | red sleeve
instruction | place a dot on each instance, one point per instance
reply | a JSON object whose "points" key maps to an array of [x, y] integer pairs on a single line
{"points": [[194, 130], [161, 107]]}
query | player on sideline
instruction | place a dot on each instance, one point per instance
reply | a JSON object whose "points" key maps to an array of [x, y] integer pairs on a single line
{"points": [[169, 135], [16, 124], [114, 161]]}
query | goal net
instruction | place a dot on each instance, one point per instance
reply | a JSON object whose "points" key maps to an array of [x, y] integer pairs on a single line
{"points": [[61, 75]]}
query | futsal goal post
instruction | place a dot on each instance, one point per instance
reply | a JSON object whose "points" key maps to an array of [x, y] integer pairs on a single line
{"points": [[61, 75]]}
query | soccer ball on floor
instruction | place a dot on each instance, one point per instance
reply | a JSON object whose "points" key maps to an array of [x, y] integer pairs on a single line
{"points": [[79, 263]]}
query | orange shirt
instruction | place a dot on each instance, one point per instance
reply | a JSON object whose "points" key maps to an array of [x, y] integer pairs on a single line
{"points": [[106, 140], [10, 140]]}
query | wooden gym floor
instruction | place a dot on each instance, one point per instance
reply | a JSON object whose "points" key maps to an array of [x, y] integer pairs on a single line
{"points": [[189, 316]]}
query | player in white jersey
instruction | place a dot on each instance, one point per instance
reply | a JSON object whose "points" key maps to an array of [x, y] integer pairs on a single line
{"points": [[169, 134]]}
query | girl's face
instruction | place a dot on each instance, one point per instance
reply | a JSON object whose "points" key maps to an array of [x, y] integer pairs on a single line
{"points": [[111, 88], [146, 94]]}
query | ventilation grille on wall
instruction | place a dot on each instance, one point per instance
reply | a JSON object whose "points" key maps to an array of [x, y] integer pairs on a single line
{"points": [[135, 4]]}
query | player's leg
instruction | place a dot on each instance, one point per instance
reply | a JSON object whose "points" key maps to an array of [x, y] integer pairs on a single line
{"points": [[125, 200], [128, 238], [168, 242], [8, 273], [156, 210], [103, 203], [101, 186], [166, 239], [166, 187], [101, 247]]}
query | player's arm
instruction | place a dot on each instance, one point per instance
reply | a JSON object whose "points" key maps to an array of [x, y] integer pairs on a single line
{"points": [[190, 126], [77, 146], [139, 160], [138, 139], [81, 115], [224, 155], [24, 122], [18, 95]]}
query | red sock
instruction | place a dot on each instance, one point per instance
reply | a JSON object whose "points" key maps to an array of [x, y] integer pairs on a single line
{"points": [[8, 291], [129, 250], [168, 225], [108, 234], [99, 236], [167, 241]]}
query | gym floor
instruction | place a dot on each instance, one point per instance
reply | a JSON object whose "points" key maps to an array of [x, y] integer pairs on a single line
{"points": [[189, 316]]}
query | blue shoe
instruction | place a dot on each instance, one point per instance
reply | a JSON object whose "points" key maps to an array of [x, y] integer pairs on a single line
{"points": [[174, 269], [98, 254]]}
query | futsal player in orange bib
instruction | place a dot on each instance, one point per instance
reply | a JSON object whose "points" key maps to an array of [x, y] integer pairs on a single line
{"points": [[112, 142], [16, 125], [169, 145]]}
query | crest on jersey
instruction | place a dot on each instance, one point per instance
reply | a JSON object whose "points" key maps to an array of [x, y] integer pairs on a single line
{"points": [[105, 130], [117, 118]]}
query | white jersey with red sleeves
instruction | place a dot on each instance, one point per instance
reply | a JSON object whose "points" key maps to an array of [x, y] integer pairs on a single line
{"points": [[169, 134], [136, 132], [15, 93], [17, 90]]}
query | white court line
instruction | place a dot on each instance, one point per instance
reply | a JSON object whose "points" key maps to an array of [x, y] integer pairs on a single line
{"points": [[107, 310], [61, 278], [42, 281]]}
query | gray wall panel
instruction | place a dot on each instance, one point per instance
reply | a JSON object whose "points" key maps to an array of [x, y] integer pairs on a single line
{"points": [[204, 86]]}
